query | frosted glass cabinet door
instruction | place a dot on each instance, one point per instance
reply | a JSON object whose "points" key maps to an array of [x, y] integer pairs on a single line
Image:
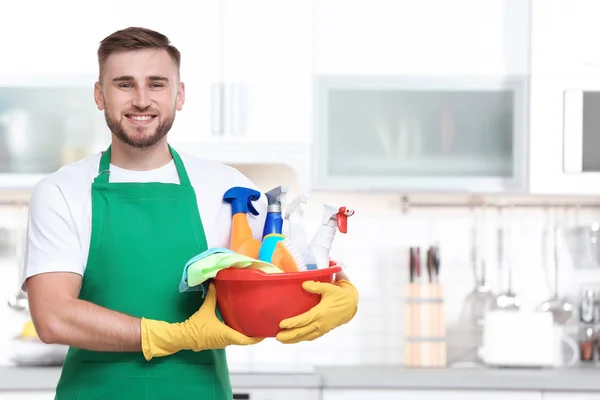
{"points": [[43, 127], [451, 134]]}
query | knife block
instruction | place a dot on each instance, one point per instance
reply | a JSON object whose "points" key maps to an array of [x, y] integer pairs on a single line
{"points": [[424, 326]]}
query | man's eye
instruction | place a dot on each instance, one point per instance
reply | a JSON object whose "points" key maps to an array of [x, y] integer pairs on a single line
{"points": [[157, 85], [125, 85]]}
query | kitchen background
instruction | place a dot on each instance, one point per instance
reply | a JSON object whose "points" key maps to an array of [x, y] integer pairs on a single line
{"points": [[441, 123]]}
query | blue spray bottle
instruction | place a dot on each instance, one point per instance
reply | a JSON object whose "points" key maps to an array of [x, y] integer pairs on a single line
{"points": [[275, 247], [274, 219]]}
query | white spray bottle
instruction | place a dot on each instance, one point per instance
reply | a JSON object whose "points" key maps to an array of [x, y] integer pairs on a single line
{"points": [[334, 218], [294, 214]]}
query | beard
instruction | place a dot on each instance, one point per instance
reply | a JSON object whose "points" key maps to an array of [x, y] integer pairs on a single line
{"points": [[141, 137]]}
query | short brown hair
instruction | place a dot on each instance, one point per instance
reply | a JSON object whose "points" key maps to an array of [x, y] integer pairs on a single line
{"points": [[135, 38]]}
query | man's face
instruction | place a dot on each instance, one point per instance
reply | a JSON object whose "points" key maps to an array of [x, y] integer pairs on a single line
{"points": [[139, 94]]}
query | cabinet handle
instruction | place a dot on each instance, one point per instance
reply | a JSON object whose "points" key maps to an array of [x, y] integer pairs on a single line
{"points": [[237, 109], [573, 131], [241, 396], [217, 109]]}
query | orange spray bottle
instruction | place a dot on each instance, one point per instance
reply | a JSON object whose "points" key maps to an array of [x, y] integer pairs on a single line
{"points": [[242, 241]]}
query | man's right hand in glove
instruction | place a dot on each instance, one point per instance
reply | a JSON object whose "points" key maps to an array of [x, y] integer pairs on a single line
{"points": [[202, 331]]}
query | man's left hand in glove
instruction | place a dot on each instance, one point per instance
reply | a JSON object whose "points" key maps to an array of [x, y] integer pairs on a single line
{"points": [[338, 305]]}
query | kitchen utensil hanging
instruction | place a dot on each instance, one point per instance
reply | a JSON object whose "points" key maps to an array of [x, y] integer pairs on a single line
{"points": [[469, 336], [560, 307], [508, 299], [480, 299]]}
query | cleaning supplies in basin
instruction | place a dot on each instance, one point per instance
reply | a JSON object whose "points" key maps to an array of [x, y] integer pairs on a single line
{"points": [[334, 218], [242, 241], [207, 264], [291, 254]]}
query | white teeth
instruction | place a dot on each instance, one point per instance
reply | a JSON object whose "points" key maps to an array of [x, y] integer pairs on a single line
{"points": [[140, 117]]}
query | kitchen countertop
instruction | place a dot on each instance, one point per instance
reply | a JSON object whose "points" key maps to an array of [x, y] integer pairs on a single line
{"points": [[397, 377], [366, 377], [46, 378]]}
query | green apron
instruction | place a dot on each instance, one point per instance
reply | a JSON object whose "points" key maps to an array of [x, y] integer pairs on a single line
{"points": [[142, 236]]}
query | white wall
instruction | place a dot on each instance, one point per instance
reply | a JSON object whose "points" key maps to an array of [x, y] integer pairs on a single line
{"points": [[375, 252]]}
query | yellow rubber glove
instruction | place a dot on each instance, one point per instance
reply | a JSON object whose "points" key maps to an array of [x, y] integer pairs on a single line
{"points": [[202, 331], [338, 305]]}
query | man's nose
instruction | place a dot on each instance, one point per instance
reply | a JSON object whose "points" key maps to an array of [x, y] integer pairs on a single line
{"points": [[141, 98]]}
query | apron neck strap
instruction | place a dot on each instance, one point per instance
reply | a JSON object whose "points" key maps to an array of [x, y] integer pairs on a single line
{"points": [[184, 179], [104, 168]]}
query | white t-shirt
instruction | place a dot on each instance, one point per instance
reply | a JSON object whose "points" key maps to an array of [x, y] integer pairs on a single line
{"points": [[60, 214]]}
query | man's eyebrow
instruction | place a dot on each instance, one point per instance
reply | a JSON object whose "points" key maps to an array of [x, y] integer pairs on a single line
{"points": [[158, 78], [126, 78], [122, 78]]}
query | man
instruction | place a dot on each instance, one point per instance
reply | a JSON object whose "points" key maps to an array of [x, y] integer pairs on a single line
{"points": [[108, 237]]}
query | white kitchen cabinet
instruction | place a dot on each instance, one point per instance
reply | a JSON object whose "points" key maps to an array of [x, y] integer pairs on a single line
{"points": [[421, 96], [563, 138], [550, 146], [564, 36], [461, 134], [267, 70], [429, 37], [55, 37], [391, 394]]}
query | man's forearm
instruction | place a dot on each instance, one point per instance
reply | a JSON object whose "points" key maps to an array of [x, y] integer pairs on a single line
{"points": [[81, 324]]}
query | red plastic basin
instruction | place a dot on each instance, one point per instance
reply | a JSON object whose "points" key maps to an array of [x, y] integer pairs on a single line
{"points": [[254, 303]]}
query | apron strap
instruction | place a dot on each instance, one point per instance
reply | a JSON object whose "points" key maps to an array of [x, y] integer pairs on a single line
{"points": [[104, 168], [184, 180]]}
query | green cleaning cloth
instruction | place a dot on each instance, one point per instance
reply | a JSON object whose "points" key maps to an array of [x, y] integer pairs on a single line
{"points": [[207, 264]]}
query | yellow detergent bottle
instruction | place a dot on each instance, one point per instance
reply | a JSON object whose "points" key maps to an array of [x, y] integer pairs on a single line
{"points": [[242, 241]]}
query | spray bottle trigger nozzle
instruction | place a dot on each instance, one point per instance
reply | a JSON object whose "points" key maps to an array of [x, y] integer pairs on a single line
{"points": [[241, 199], [296, 205], [275, 195]]}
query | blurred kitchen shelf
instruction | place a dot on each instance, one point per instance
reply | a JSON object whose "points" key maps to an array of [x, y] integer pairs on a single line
{"points": [[19, 181], [296, 156], [12, 80], [451, 166]]}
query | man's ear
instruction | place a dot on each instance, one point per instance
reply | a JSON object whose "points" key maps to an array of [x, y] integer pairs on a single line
{"points": [[98, 96], [180, 96]]}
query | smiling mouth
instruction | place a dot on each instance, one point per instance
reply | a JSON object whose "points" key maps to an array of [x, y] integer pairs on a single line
{"points": [[140, 118]]}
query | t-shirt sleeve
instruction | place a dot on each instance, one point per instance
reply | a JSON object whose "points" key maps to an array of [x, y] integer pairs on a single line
{"points": [[52, 243]]}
